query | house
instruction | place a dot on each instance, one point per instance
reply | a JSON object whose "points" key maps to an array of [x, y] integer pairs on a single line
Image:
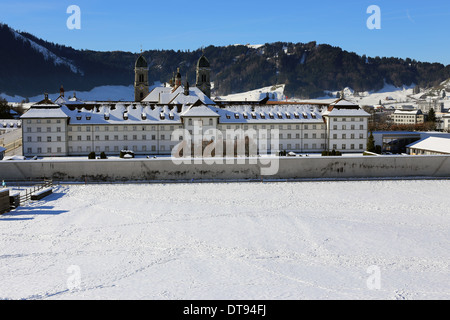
{"points": [[430, 146], [408, 117]]}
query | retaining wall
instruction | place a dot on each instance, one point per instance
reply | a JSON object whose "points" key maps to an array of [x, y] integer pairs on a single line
{"points": [[288, 168]]}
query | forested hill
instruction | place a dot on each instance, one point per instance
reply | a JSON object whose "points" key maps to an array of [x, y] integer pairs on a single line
{"points": [[31, 66]]}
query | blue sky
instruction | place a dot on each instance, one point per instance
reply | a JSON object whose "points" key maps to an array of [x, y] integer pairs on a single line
{"points": [[414, 29]]}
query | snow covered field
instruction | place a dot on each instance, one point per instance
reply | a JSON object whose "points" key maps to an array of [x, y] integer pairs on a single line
{"points": [[303, 240]]}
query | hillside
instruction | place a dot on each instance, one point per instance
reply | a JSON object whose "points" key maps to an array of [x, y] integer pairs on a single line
{"points": [[30, 66]]}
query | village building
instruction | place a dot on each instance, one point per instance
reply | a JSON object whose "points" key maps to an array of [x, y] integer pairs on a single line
{"points": [[72, 127]]}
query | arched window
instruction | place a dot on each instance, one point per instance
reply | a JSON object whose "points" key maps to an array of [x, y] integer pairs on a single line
{"points": [[142, 95], [141, 78]]}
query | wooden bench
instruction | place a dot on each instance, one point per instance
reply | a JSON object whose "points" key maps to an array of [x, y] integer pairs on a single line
{"points": [[38, 195], [4, 201]]}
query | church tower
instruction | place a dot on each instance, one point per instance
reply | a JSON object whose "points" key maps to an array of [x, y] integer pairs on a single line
{"points": [[140, 79], [204, 76]]}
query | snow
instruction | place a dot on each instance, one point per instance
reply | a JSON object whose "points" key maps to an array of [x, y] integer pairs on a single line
{"points": [[48, 55], [299, 240], [436, 144], [257, 94]]}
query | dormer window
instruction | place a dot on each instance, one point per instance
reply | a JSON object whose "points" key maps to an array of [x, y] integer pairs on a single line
{"points": [[171, 117], [78, 117], [106, 116], [228, 116], [236, 115], [162, 116], [125, 116], [88, 117], [271, 115], [144, 116], [263, 116], [280, 116]]}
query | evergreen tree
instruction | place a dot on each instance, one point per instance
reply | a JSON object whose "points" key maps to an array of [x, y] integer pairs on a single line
{"points": [[431, 115], [371, 143]]}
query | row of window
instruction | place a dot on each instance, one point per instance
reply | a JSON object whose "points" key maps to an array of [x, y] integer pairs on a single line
{"points": [[344, 136], [163, 137], [47, 129], [352, 119], [163, 148], [344, 127]]}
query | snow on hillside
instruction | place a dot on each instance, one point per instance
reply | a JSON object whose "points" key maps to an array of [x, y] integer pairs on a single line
{"points": [[48, 55], [305, 240], [275, 93], [102, 93]]}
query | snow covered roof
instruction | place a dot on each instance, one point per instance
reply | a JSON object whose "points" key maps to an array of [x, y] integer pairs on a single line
{"points": [[346, 113], [167, 95], [10, 124], [45, 112], [200, 111], [273, 114], [343, 103], [435, 144], [408, 112], [122, 113]]}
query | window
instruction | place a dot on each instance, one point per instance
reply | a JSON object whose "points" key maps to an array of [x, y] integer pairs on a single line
{"points": [[29, 139], [58, 129], [88, 138], [29, 150], [39, 139], [58, 138], [125, 137], [344, 146], [97, 138], [58, 150], [39, 150], [79, 138], [106, 138], [39, 129], [49, 150]]}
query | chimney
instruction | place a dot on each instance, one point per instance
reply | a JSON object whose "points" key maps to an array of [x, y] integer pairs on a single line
{"points": [[61, 91]]}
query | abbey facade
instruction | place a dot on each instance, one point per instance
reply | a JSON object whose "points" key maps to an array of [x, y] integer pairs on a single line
{"points": [[147, 125]]}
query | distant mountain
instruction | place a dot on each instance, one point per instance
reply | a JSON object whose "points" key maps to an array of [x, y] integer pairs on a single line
{"points": [[30, 66]]}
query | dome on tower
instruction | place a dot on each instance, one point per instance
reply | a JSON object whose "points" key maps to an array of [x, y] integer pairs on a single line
{"points": [[141, 62], [203, 62]]}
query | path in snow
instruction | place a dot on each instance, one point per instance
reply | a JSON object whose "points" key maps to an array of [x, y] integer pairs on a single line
{"points": [[310, 240]]}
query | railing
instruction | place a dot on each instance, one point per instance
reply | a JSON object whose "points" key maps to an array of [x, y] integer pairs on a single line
{"points": [[12, 145], [25, 197]]}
